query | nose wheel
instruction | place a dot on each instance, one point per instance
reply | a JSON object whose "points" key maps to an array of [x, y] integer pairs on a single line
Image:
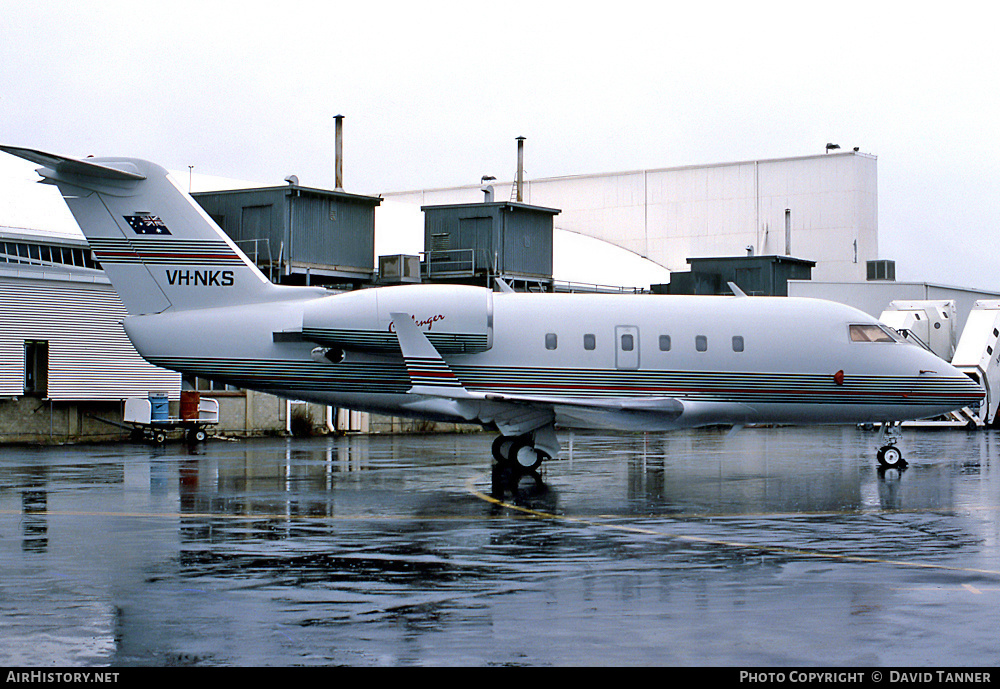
{"points": [[890, 457]]}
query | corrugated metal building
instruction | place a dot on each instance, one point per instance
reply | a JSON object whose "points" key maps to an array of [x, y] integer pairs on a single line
{"points": [[481, 240], [756, 275], [671, 214], [61, 341], [300, 235]]}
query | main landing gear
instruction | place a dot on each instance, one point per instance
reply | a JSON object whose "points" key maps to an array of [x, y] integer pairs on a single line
{"points": [[518, 453], [889, 456]]}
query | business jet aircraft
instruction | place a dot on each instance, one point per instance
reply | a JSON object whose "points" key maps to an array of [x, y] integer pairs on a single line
{"points": [[520, 363]]}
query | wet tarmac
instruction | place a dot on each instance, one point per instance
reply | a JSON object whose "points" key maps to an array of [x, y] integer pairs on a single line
{"points": [[768, 547]]}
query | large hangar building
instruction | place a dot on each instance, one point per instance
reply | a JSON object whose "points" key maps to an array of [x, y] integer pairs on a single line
{"points": [[820, 207]]}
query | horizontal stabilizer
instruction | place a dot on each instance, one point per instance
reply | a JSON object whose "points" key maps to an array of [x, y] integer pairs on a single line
{"points": [[120, 171]]}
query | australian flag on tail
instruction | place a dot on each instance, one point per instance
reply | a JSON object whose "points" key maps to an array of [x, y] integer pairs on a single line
{"points": [[146, 224]]}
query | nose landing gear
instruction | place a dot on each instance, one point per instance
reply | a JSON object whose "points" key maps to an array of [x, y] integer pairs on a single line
{"points": [[889, 456]]}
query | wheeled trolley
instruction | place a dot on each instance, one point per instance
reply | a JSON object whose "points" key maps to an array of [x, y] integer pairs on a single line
{"points": [[147, 419]]}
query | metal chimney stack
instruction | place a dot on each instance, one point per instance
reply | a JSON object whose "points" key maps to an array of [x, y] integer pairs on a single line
{"points": [[788, 232], [339, 153], [520, 168]]}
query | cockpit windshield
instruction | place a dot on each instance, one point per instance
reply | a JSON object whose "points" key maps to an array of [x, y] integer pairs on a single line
{"points": [[871, 332]]}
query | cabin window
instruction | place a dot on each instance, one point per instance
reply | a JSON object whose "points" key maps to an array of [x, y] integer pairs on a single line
{"points": [[551, 341], [628, 342], [664, 343], [870, 332], [589, 342], [737, 343], [701, 343]]}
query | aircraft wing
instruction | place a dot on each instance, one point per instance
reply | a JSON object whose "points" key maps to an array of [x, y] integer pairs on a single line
{"points": [[638, 413]]}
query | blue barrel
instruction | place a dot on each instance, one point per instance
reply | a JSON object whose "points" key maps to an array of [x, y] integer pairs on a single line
{"points": [[159, 406]]}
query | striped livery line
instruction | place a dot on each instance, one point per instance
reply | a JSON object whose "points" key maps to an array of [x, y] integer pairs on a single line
{"points": [[431, 372], [395, 377], [164, 251], [744, 387], [268, 374], [387, 341]]}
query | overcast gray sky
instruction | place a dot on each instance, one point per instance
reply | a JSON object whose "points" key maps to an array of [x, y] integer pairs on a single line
{"points": [[434, 94]]}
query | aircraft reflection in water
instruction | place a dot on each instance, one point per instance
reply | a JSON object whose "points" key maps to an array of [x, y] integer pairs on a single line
{"points": [[520, 363]]}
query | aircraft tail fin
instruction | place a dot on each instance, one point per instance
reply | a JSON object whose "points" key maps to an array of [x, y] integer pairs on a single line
{"points": [[156, 244]]}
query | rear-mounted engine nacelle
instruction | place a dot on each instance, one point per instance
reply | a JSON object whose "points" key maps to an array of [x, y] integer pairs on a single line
{"points": [[454, 318]]}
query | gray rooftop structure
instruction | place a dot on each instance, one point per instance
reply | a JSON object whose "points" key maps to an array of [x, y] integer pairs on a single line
{"points": [[300, 235], [474, 242], [760, 275]]}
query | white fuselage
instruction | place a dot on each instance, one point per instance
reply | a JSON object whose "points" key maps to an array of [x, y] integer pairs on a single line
{"points": [[592, 358]]}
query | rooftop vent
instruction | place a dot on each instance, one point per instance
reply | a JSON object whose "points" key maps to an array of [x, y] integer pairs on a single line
{"points": [[882, 269]]}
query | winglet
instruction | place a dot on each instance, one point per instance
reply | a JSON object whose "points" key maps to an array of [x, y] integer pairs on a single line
{"points": [[429, 372]]}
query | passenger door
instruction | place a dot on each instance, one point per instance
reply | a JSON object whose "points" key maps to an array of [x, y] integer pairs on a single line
{"points": [[626, 347]]}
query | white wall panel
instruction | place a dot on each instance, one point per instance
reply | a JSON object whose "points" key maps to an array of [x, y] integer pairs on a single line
{"points": [[670, 215]]}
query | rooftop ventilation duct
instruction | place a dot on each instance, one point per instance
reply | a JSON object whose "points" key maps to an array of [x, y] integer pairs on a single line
{"points": [[520, 169], [339, 153]]}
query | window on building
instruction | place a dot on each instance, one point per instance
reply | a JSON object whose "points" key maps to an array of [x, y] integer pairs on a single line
{"points": [[589, 342], [551, 341], [206, 385], [701, 343], [36, 368], [45, 254], [664, 343]]}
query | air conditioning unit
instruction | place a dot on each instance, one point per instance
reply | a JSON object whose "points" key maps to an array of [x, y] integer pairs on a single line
{"points": [[399, 268]]}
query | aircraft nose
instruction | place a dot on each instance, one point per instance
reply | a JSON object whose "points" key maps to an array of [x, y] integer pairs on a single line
{"points": [[958, 388], [975, 390]]}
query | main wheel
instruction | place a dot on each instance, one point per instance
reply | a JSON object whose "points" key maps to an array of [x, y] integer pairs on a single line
{"points": [[890, 456], [501, 448], [525, 457]]}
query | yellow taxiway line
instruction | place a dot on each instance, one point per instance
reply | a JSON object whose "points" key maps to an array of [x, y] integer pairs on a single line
{"points": [[772, 549]]}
